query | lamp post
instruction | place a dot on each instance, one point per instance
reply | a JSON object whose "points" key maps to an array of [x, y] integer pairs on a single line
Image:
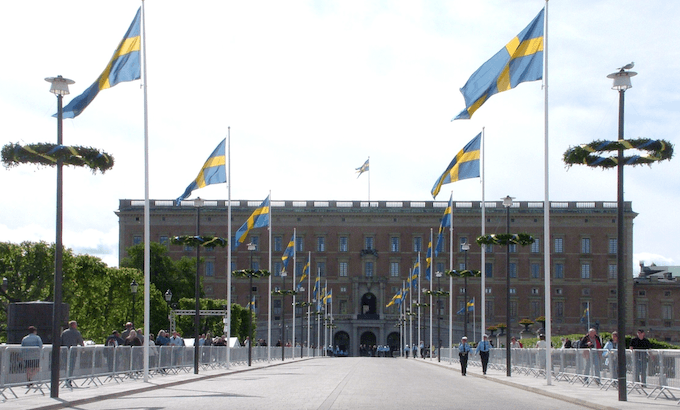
{"points": [[507, 203], [168, 298], [134, 287], [439, 321], [60, 89], [283, 316], [198, 203], [465, 247], [621, 84], [251, 248]]}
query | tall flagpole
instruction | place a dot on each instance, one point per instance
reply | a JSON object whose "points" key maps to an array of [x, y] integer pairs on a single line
{"points": [[483, 285], [451, 282], [229, 244], [410, 318], [269, 313], [546, 211], [309, 300], [294, 281], [369, 181], [147, 227], [431, 345]]}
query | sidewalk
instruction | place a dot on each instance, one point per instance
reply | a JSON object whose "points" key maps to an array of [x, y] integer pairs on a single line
{"points": [[71, 398], [589, 397]]}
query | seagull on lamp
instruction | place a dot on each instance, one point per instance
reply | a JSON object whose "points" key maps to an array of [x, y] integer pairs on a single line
{"points": [[627, 66]]}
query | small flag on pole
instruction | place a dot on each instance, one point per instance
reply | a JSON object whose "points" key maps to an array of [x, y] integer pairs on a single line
{"points": [[123, 66], [445, 223], [259, 219], [463, 166], [363, 168], [214, 171], [288, 253], [519, 61]]}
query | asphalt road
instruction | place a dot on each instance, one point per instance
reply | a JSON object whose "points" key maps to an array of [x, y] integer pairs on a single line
{"points": [[338, 383]]}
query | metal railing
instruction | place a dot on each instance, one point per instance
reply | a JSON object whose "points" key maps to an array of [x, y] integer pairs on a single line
{"points": [[29, 368], [653, 373]]}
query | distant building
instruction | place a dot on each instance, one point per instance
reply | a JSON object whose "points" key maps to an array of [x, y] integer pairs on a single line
{"points": [[656, 292], [364, 250]]}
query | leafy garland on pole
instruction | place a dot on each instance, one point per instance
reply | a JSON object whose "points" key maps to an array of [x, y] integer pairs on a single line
{"points": [[282, 292], [522, 239], [470, 273], [48, 154], [247, 273], [590, 154], [205, 241]]}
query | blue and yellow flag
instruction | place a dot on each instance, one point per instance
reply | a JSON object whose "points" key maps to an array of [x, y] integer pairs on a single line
{"points": [[471, 305], [252, 306], [394, 298], [519, 61], [399, 297], [305, 272], [446, 222], [288, 253], [363, 168], [317, 287], [329, 297], [428, 262], [124, 66], [463, 166], [214, 171], [259, 219], [414, 275]]}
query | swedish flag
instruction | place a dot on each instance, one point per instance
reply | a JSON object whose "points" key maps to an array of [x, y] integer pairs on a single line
{"points": [[446, 222], [414, 275], [463, 166], [519, 61], [259, 219], [214, 171], [428, 262], [123, 66], [288, 253], [305, 272], [365, 167]]}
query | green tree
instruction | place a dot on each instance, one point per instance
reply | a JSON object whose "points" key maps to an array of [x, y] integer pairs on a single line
{"points": [[214, 324]]}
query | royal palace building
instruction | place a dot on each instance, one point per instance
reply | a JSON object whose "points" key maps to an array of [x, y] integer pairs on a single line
{"points": [[365, 250]]}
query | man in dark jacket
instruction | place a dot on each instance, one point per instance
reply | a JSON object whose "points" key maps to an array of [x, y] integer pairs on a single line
{"points": [[640, 345], [592, 341]]}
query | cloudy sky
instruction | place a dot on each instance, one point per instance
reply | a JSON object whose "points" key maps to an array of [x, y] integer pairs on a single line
{"points": [[311, 89]]}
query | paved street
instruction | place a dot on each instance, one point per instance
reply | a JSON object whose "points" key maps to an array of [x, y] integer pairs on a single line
{"points": [[339, 383]]}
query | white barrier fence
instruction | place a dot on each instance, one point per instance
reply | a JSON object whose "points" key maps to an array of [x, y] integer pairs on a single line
{"points": [[649, 372], [29, 368]]}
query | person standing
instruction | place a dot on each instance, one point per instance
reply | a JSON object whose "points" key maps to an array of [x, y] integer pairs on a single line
{"points": [[463, 351], [70, 338], [610, 353], [126, 332], [640, 343], [483, 349], [31, 354], [592, 341]]}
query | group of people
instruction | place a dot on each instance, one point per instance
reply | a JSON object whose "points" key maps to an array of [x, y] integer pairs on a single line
{"points": [[483, 349]]}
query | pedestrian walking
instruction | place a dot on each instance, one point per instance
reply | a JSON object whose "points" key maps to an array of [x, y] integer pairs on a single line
{"points": [[71, 338], [463, 352], [483, 349], [640, 346], [32, 344]]}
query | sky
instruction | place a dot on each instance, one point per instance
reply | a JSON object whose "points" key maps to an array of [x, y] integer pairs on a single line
{"points": [[311, 89]]}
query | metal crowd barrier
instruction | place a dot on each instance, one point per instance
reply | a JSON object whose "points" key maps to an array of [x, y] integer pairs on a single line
{"points": [[29, 368], [653, 373]]}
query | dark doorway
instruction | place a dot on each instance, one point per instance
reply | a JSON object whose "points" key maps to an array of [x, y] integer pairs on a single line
{"points": [[369, 309], [367, 340], [341, 342], [393, 341]]}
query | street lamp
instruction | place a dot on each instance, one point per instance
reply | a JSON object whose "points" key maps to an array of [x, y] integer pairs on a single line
{"points": [[621, 84], [251, 248], [439, 321], [168, 298], [198, 203], [507, 203], [60, 89], [465, 247], [133, 289]]}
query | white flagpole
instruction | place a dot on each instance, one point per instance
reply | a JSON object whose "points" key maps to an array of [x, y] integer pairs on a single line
{"points": [[410, 317], [369, 181], [147, 218], [229, 244], [483, 284], [309, 300], [294, 288], [474, 319], [269, 313], [546, 210], [450, 346], [431, 345], [325, 322], [420, 334]]}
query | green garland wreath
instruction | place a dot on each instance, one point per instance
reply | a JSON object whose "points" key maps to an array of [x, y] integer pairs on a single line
{"points": [[205, 241], [659, 150], [284, 292], [522, 239], [436, 293], [247, 273], [48, 155], [470, 273]]}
